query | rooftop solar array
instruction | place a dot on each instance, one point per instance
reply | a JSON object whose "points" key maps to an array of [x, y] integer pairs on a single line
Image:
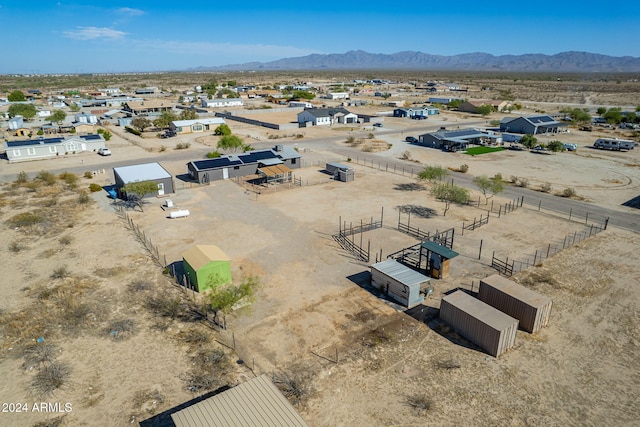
{"points": [[34, 142], [220, 162], [540, 119], [256, 156]]}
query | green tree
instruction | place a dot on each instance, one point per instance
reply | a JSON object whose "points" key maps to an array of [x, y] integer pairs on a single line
{"points": [[455, 103], [613, 115], [16, 96], [137, 190], [485, 109], [74, 107], [28, 111], [106, 135], [449, 194], [601, 110], [230, 142], [223, 298], [232, 83], [165, 119], [302, 94], [433, 173], [555, 146], [140, 123], [188, 114], [529, 141], [222, 130], [57, 116], [488, 186]]}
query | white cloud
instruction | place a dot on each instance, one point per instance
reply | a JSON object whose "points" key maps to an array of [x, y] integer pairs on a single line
{"points": [[130, 11], [91, 33]]}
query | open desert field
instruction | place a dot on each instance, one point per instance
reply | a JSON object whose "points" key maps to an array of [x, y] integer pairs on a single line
{"points": [[130, 346]]}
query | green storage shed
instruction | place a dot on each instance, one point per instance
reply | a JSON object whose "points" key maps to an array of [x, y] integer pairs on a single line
{"points": [[206, 267]]}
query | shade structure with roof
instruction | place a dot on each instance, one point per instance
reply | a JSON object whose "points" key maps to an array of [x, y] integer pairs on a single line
{"points": [[256, 402], [438, 258], [206, 267]]}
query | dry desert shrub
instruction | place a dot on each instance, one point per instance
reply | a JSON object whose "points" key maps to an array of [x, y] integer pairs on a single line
{"points": [[194, 336], [296, 384], [420, 403], [448, 364], [140, 286], [211, 370], [147, 401], [55, 422], [17, 246], [60, 272], [37, 354], [121, 329], [50, 377]]}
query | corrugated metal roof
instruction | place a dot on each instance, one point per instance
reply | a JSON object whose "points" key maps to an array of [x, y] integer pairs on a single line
{"points": [[200, 255], [274, 170], [480, 310], [141, 172], [516, 290], [400, 272], [256, 402]]}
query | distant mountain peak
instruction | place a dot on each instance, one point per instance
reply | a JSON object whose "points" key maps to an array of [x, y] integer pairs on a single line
{"points": [[570, 61]]}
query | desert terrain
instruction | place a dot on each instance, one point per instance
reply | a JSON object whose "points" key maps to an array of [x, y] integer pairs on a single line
{"points": [[128, 343]]}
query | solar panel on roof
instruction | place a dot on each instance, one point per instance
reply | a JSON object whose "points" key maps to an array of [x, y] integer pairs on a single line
{"points": [[220, 162], [90, 137], [256, 156]]}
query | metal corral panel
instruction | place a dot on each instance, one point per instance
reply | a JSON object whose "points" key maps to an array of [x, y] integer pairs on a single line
{"points": [[483, 325], [399, 282], [529, 307]]}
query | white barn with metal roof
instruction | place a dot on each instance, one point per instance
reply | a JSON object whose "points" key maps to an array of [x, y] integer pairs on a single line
{"points": [[144, 172]]}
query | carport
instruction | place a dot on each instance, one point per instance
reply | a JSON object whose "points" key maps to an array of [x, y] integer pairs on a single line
{"points": [[275, 174]]}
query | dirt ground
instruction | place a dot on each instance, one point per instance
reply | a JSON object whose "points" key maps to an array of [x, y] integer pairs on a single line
{"points": [[365, 362]]}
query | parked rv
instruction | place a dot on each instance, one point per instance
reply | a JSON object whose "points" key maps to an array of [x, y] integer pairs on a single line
{"points": [[614, 144]]}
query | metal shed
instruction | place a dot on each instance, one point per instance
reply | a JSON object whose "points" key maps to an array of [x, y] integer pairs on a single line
{"points": [[206, 267], [483, 325], [144, 172], [529, 307], [438, 258], [400, 282], [341, 172], [257, 402]]}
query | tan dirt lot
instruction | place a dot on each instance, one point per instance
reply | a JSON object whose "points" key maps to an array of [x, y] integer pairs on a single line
{"points": [[311, 310]]}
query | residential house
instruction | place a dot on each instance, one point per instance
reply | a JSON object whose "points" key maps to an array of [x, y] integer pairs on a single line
{"points": [[146, 91], [442, 100], [86, 118], [325, 116], [472, 105], [42, 148], [222, 102], [148, 106], [84, 128], [196, 125], [16, 122], [249, 163], [337, 95], [531, 125], [453, 140], [298, 104], [415, 112]]}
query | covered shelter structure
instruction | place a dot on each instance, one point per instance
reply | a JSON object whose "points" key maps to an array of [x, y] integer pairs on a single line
{"points": [[275, 174], [483, 325], [399, 282], [206, 267], [256, 402], [437, 259]]}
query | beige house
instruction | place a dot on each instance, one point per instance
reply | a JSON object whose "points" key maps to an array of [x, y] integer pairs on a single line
{"points": [[147, 106], [471, 106]]}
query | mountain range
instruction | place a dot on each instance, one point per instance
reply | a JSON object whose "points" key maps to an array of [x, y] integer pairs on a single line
{"points": [[411, 60]]}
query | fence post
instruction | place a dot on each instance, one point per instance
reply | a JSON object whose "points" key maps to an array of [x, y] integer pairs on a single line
{"points": [[586, 218], [500, 211], [539, 204], [480, 251], [548, 249], [462, 233], [606, 222], [521, 200], [492, 205], [570, 212], [478, 201]]}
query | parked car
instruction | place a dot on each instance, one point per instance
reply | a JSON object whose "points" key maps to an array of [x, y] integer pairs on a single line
{"points": [[411, 139], [378, 125], [104, 151], [419, 117], [516, 147], [168, 134], [570, 147]]}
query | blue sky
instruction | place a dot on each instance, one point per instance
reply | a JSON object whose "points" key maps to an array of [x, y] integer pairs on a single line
{"points": [[109, 36]]}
